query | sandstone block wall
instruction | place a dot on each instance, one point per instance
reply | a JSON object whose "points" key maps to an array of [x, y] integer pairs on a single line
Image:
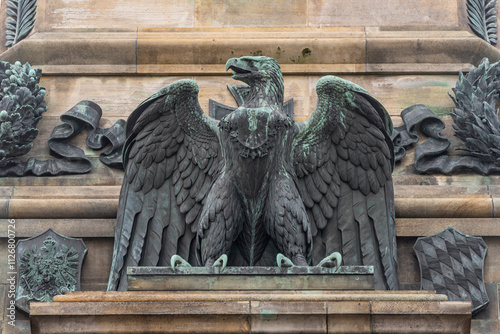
{"points": [[117, 53]]}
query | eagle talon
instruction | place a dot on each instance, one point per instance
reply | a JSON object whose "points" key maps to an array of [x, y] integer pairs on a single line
{"points": [[221, 262], [333, 260], [176, 261], [283, 261]]}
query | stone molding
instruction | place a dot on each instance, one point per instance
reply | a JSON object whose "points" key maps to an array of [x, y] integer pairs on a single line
{"points": [[101, 202], [272, 311], [299, 51], [89, 211]]}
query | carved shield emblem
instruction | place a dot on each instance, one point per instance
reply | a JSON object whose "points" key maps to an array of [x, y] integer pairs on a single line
{"points": [[47, 265], [452, 264]]}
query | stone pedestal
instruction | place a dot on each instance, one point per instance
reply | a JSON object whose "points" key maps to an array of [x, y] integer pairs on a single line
{"points": [[250, 278], [274, 311]]}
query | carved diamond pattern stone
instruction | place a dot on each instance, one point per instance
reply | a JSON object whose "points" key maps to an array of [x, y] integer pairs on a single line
{"points": [[452, 264], [47, 265]]}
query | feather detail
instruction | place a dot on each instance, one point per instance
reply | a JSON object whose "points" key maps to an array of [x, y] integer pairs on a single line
{"points": [[123, 232], [306, 198], [349, 130], [367, 235], [326, 208], [141, 224], [348, 229], [385, 230], [157, 203], [173, 232], [193, 214], [319, 218], [160, 175], [312, 190], [319, 182], [154, 237]]}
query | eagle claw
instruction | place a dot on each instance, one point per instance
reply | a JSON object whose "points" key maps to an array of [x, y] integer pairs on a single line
{"points": [[333, 260], [221, 262], [176, 261], [283, 261]]}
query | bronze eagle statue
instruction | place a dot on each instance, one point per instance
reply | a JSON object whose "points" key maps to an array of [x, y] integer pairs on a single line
{"points": [[255, 183]]}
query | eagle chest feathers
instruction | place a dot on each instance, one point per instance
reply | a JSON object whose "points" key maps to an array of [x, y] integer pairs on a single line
{"points": [[253, 132], [255, 184]]}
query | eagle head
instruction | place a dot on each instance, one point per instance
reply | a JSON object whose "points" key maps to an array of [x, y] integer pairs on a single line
{"points": [[258, 71]]}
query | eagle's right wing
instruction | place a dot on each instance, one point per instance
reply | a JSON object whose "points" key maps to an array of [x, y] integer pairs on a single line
{"points": [[343, 158], [171, 155]]}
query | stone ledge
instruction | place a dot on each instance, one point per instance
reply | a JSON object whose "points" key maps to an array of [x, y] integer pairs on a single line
{"points": [[224, 295], [70, 208], [161, 312], [90, 211], [246, 278], [105, 228], [298, 50]]}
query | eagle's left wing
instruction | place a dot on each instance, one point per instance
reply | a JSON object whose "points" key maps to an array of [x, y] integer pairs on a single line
{"points": [[343, 158], [171, 157]]}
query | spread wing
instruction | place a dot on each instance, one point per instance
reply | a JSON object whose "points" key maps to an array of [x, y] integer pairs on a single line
{"points": [[171, 155], [343, 158]]}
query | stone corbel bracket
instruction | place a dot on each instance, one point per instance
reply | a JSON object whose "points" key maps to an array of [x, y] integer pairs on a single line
{"points": [[298, 50]]}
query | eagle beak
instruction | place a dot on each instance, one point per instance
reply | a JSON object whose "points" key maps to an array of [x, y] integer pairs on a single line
{"points": [[231, 62], [240, 67]]}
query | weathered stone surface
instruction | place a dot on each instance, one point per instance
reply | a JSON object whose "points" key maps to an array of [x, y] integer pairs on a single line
{"points": [[79, 228], [492, 261], [290, 312], [122, 94], [279, 317], [95, 270], [255, 295], [482, 322], [416, 227], [117, 15], [444, 315], [444, 207], [63, 208], [484, 326], [250, 278], [154, 318], [241, 13], [416, 46], [340, 50], [114, 14], [349, 317], [75, 192], [90, 194], [387, 13]]}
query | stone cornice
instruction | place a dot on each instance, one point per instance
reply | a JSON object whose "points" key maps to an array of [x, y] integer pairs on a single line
{"points": [[299, 51]]}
